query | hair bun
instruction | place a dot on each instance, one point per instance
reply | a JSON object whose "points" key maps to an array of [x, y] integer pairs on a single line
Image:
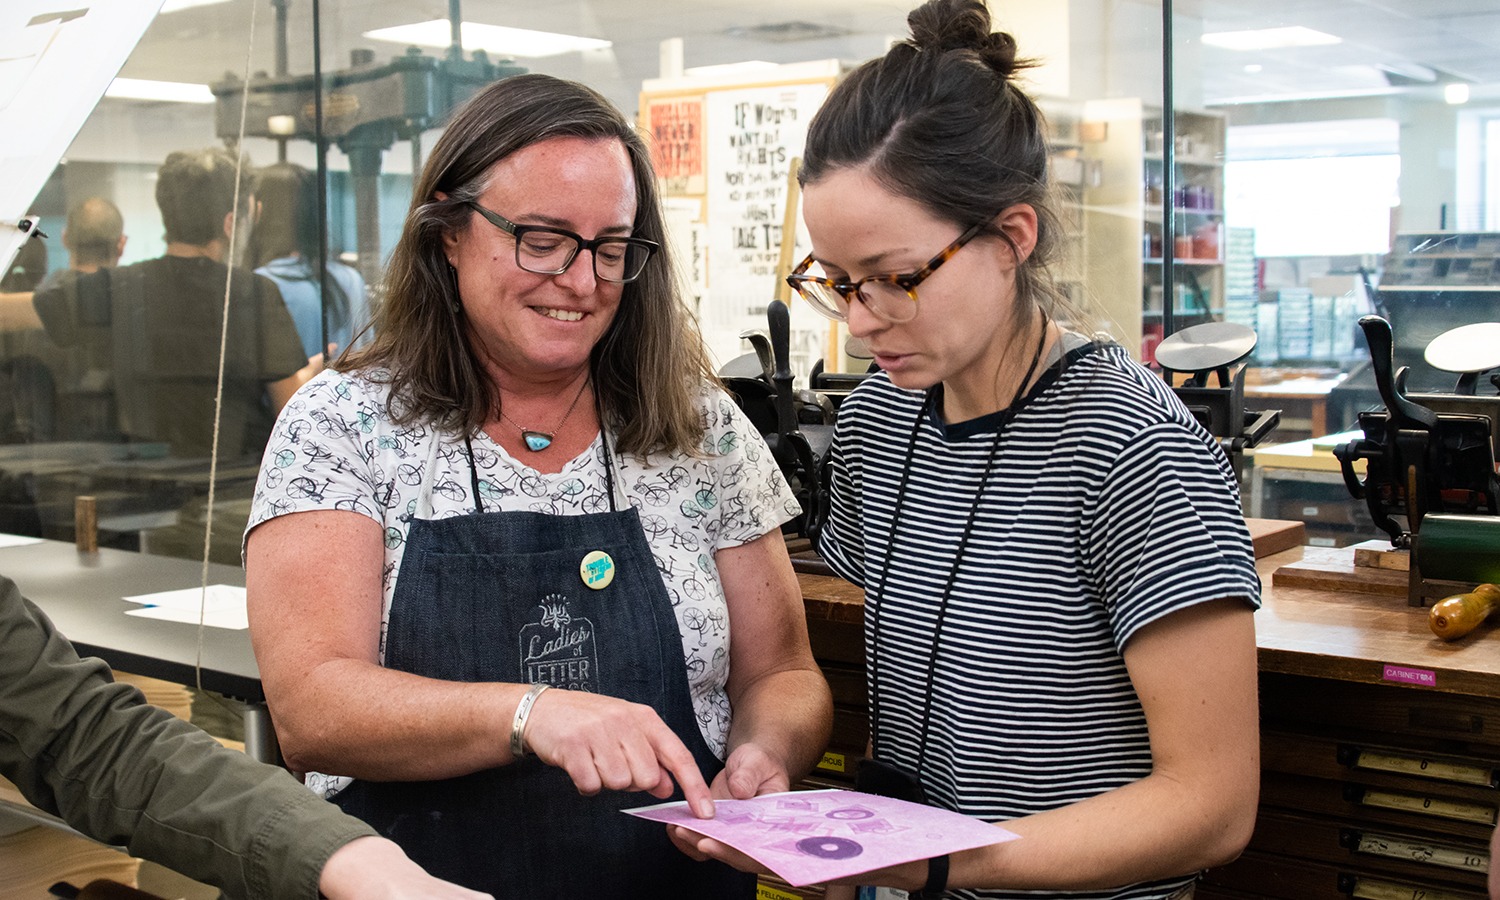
{"points": [[943, 25]]}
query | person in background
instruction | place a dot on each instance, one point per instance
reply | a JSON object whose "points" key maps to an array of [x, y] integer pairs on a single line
{"points": [[1059, 585], [518, 562], [93, 752], [94, 236], [155, 326], [81, 393], [284, 247]]}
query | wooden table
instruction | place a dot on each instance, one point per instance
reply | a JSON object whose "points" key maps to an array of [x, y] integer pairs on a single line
{"points": [[1305, 393]]}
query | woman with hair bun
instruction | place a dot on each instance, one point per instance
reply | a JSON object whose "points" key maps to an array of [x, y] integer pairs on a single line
{"points": [[1059, 585]]}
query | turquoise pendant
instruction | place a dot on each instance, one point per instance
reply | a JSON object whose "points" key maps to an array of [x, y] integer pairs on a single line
{"points": [[536, 441]]}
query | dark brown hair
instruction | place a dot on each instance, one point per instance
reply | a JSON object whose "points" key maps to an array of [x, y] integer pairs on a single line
{"points": [[287, 226], [195, 191], [650, 365], [940, 121]]}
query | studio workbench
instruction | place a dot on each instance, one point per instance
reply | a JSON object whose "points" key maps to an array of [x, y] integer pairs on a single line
{"points": [[1380, 744]]}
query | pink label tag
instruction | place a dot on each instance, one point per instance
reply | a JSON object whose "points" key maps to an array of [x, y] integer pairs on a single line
{"points": [[1405, 675]]}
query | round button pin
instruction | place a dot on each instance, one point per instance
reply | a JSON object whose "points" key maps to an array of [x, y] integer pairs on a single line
{"points": [[597, 570]]}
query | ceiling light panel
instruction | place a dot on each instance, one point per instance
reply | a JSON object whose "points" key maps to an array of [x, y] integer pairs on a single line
{"points": [[165, 91], [496, 40], [1270, 38]]}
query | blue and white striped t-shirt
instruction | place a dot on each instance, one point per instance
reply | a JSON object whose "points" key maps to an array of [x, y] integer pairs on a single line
{"points": [[1107, 507]]}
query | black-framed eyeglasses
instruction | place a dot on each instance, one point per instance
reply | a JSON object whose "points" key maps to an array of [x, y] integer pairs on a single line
{"points": [[890, 297], [544, 250]]}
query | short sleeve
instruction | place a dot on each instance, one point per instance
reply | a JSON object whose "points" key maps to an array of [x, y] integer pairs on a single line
{"points": [[1167, 532], [841, 542], [319, 454], [753, 496]]}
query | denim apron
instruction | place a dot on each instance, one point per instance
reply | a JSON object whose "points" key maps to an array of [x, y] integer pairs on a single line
{"points": [[501, 596]]}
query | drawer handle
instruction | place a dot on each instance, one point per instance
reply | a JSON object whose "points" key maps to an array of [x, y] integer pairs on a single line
{"points": [[1374, 844], [1437, 770], [1439, 807], [1363, 888], [1434, 720]]}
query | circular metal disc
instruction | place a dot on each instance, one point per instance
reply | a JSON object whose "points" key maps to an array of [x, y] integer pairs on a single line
{"points": [[1205, 347], [1467, 348]]}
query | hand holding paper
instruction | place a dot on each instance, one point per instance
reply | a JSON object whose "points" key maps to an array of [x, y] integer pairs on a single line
{"points": [[812, 836]]}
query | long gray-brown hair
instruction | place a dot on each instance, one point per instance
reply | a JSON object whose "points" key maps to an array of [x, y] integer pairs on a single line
{"points": [[649, 366]]}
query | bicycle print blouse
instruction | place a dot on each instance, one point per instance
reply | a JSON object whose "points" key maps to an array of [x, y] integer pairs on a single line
{"points": [[335, 448]]}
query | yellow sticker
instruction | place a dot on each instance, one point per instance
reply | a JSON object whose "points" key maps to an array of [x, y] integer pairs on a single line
{"points": [[597, 570], [834, 762], [766, 892]]}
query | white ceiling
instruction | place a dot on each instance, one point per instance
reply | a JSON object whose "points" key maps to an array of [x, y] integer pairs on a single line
{"points": [[1460, 38]]}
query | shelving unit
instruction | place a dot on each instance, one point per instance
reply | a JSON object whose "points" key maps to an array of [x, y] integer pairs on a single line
{"points": [[1427, 261], [1125, 217], [1196, 208], [1073, 175]]}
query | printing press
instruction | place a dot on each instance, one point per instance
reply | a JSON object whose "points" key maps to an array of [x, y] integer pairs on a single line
{"points": [[1430, 480]]}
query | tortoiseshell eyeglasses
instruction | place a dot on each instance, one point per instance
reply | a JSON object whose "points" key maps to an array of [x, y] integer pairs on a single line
{"points": [[892, 298]]}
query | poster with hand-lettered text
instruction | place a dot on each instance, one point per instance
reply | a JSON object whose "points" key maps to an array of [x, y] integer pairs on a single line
{"points": [[753, 136], [675, 126]]}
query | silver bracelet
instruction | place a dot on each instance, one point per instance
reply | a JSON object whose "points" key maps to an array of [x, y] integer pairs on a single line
{"points": [[518, 725]]}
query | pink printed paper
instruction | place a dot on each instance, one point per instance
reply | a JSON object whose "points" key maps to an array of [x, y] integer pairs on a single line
{"points": [[812, 836]]}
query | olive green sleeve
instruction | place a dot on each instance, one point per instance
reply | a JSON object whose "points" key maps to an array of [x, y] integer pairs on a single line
{"points": [[91, 751]]}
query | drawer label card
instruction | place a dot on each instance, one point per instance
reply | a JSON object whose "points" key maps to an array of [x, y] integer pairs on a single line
{"points": [[1432, 806], [1374, 889], [1408, 675], [1425, 768], [1431, 854]]}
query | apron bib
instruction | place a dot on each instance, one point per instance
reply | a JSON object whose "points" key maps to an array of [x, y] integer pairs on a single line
{"points": [[501, 596]]}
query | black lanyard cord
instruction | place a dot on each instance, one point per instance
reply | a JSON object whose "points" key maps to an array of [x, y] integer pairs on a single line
{"points": [[958, 556]]}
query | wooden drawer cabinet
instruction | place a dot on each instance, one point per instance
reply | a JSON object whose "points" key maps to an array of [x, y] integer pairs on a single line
{"points": [[1257, 875], [1372, 791]]}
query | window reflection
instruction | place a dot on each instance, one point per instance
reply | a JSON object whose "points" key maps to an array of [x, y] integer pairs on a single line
{"points": [[95, 407]]}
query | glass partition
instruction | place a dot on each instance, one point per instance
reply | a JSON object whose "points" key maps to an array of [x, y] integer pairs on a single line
{"points": [[1309, 165]]}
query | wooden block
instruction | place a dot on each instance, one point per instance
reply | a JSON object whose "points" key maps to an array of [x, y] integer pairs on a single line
{"points": [[1380, 555], [1270, 536], [1333, 569]]}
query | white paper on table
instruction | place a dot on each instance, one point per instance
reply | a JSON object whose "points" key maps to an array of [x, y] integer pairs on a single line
{"points": [[17, 540], [222, 605], [807, 837], [216, 596], [236, 619]]}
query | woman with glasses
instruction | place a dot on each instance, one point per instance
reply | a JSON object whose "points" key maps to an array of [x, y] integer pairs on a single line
{"points": [[1058, 582], [466, 636]]}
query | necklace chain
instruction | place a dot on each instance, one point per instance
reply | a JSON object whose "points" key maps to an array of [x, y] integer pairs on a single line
{"points": [[537, 441]]}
